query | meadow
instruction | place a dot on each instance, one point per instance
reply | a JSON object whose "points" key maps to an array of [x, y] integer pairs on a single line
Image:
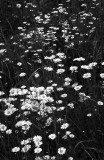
{"points": [[51, 85]]}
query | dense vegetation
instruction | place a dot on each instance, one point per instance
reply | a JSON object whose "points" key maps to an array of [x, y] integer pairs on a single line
{"points": [[51, 80]]}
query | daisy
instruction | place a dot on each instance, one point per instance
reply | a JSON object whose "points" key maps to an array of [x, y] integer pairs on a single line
{"points": [[61, 150]]}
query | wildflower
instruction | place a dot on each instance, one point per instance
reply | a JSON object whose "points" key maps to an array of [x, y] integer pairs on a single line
{"points": [[74, 85], [61, 150], [2, 127], [60, 108], [59, 71], [26, 148], [50, 99], [78, 87], [10, 111], [59, 102], [40, 89], [54, 84], [102, 75], [64, 126], [9, 131], [102, 63], [26, 127], [42, 97], [37, 150], [23, 86], [61, 10], [18, 5], [79, 59], [13, 92], [70, 158], [64, 95], [49, 90], [100, 103], [52, 136], [46, 157], [89, 115], [86, 67], [60, 65], [68, 133], [38, 158], [49, 121], [32, 89], [22, 74], [59, 89], [23, 123], [56, 60], [61, 55], [66, 84], [19, 64], [71, 135], [15, 149], [48, 68], [1, 93], [24, 142], [71, 105], [37, 140], [67, 79], [36, 75], [87, 75], [92, 64], [73, 68]]}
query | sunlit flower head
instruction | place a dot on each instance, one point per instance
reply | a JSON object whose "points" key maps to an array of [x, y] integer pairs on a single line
{"points": [[64, 95], [60, 89], [26, 148], [37, 150], [86, 67], [56, 60], [2, 127], [48, 68], [78, 87], [59, 102], [18, 5], [52, 136], [79, 59], [59, 71], [24, 142], [89, 115], [70, 158], [38, 158], [19, 64], [22, 74], [67, 79], [102, 75], [86, 75], [71, 135], [37, 141], [61, 55], [36, 75], [15, 149], [71, 105], [93, 64], [9, 131], [64, 126], [10, 111], [61, 150], [73, 68], [100, 103]]}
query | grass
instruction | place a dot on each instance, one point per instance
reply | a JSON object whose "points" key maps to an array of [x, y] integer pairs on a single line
{"points": [[51, 98]]}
